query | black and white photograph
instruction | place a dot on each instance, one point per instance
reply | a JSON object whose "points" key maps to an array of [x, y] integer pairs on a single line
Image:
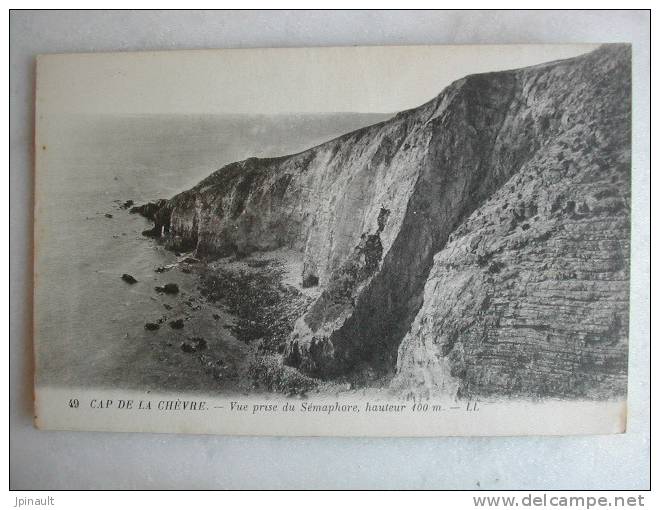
{"points": [[400, 256], [423, 240]]}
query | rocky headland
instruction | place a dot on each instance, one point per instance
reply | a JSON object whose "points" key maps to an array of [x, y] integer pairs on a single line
{"points": [[475, 245]]}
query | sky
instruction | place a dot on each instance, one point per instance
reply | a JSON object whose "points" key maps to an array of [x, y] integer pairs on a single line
{"points": [[270, 81]]}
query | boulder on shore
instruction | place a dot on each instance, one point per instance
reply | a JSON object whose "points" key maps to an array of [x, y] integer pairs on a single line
{"points": [[195, 344], [176, 324], [128, 278], [168, 288]]}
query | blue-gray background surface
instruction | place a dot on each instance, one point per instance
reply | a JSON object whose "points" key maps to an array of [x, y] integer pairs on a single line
{"points": [[66, 460]]}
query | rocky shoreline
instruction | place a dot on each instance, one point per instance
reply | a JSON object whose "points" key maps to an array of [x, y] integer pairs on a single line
{"points": [[255, 300], [250, 301]]}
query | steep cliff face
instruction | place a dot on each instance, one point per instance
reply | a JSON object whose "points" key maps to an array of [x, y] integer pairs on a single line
{"points": [[528, 169], [530, 295]]}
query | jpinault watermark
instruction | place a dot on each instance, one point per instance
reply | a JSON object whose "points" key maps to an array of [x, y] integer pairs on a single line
{"points": [[40, 502]]}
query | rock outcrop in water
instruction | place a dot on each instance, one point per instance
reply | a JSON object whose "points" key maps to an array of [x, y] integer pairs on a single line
{"points": [[478, 244]]}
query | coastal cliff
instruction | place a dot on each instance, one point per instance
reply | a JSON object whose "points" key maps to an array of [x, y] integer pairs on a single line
{"points": [[478, 244]]}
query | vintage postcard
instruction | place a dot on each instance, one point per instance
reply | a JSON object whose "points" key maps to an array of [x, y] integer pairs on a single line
{"points": [[367, 241]]}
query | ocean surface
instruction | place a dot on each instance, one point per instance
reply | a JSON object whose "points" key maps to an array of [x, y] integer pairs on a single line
{"points": [[89, 323]]}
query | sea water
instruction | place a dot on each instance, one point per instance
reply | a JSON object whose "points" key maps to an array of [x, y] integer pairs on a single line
{"points": [[89, 323]]}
